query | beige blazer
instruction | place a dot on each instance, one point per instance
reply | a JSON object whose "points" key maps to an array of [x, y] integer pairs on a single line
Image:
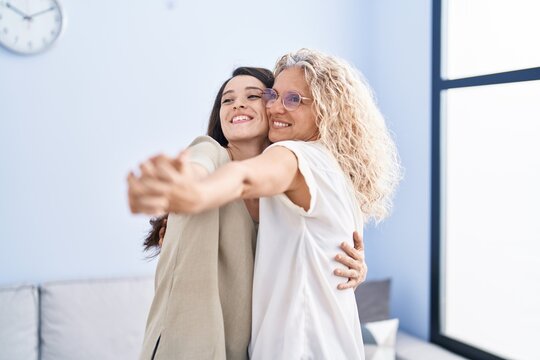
{"points": [[202, 302]]}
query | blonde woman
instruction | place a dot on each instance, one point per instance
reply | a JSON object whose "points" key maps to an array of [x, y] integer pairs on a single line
{"points": [[332, 167]]}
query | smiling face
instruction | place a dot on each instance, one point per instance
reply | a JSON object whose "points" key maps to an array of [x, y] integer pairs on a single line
{"points": [[242, 112], [292, 125]]}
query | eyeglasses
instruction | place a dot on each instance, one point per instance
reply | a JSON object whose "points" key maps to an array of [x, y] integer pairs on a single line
{"points": [[291, 100]]}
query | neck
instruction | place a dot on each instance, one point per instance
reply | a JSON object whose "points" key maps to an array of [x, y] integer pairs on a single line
{"points": [[242, 150]]}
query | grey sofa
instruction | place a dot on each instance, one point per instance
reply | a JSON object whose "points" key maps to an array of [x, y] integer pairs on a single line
{"points": [[105, 319]]}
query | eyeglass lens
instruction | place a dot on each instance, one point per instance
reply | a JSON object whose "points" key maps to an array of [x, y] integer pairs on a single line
{"points": [[291, 99]]}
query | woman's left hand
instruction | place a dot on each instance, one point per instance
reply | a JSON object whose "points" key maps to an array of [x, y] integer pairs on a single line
{"points": [[355, 261]]}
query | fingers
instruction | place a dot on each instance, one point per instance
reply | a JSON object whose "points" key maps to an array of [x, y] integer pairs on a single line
{"points": [[358, 241], [352, 275], [154, 187], [348, 261], [166, 171], [152, 168], [353, 259], [357, 252], [183, 162], [356, 277], [347, 273], [148, 169], [132, 181], [180, 159], [159, 157], [153, 205], [149, 193], [351, 284], [352, 252], [184, 156], [135, 189]]}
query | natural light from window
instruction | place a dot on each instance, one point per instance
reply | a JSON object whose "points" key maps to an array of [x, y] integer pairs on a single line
{"points": [[490, 36], [491, 217]]}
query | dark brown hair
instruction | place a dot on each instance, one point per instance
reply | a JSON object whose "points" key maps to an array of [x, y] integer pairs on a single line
{"points": [[214, 124], [151, 242]]}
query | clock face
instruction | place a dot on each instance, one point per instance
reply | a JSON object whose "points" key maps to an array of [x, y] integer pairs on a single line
{"points": [[29, 26]]}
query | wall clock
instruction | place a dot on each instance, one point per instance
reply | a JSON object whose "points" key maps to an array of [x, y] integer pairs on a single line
{"points": [[29, 26]]}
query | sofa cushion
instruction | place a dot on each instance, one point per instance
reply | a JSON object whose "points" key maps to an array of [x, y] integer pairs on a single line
{"points": [[88, 320], [19, 323], [380, 339], [373, 300]]}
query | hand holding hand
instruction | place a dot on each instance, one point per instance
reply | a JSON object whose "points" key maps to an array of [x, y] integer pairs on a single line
{"points": [[146, 192], [165, 185], [143, 199]]}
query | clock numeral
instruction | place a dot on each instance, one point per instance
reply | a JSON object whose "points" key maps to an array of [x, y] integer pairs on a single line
{"points": [[30, 45], [6, 30], [16, 39], [44, 40], [53, 32]]}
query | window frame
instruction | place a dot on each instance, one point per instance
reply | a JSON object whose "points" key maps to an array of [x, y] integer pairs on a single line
{"points": [[438, 86]]}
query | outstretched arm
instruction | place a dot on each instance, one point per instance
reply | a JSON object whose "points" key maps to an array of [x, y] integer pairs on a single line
{"points": [[273, 172]]}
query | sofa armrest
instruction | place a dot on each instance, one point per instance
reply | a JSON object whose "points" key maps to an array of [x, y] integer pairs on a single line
{"points": [[19, 323], [409, 347]]}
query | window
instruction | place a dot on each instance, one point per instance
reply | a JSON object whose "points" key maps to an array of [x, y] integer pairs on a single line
{"points": [[486, 178]]}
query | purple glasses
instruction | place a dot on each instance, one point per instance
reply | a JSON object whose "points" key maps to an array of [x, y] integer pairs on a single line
{"points": [[291, 100]]}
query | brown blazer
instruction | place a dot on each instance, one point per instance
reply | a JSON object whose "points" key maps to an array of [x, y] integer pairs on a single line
{"points": [[202, 302]]}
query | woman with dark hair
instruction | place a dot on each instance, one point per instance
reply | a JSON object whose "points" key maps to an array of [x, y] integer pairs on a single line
{"points": [[202, 303], [155, 235]]}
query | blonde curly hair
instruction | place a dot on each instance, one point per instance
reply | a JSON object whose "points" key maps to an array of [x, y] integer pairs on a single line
{"points": [[351, 127]]}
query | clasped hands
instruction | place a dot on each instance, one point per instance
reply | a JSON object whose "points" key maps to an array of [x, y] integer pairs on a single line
{"points": [[163, 185]]}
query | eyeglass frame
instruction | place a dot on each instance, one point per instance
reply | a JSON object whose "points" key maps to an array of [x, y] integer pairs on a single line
{"points": [[267, 105]]}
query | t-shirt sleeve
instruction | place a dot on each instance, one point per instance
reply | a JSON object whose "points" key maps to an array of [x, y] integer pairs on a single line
{"points": [[206, 152], [300, 149]]}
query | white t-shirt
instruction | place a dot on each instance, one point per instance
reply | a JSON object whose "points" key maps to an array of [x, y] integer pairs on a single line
{"points": [[298, 312]]}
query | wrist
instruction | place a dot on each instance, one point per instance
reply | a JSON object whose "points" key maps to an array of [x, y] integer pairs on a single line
{"points": [[186, 201], [201, 200]]}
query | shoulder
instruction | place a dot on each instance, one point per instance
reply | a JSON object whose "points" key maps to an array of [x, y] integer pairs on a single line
{"points": [[310, 150], [293, 144], [205, 141], [207, 152]]}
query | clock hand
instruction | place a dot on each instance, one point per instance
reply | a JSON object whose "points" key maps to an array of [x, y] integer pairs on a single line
{"points": [[41, 12], [25, 17]]}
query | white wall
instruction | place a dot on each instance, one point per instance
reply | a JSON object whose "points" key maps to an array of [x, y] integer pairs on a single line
{"points": [[397, 63]]}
